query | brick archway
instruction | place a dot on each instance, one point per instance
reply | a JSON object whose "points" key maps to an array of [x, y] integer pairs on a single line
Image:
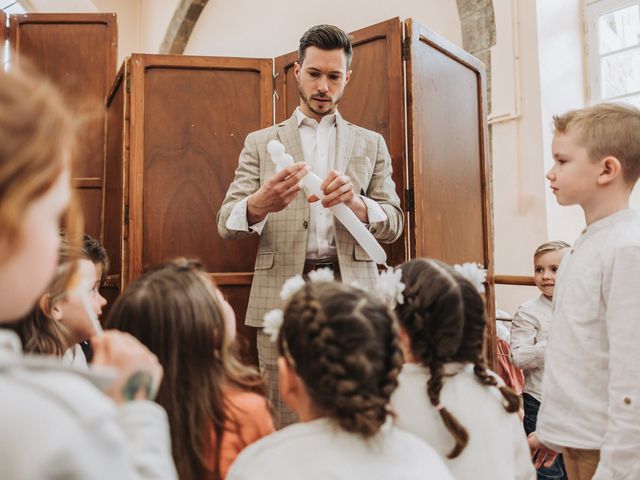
{"points": [[478, 24], [182, 23]]}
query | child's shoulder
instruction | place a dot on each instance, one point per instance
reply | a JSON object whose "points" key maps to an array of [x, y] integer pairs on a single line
{"points": [[249, 409], [246, 400], [535, 305], [624, 230]]}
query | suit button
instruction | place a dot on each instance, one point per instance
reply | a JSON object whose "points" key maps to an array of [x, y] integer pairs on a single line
{"points": [[305, 224]]}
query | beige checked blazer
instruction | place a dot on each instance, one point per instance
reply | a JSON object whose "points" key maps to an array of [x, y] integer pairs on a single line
{"points": [[363, 156]]}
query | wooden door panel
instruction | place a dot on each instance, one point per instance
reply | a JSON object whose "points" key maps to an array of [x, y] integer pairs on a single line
{"points": [[373, 98], [113, 233], [90, 199], [449, 168], [78, 52], [3, 31], [196, 113]]}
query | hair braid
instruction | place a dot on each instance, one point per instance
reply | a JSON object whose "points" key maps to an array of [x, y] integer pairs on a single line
{"points": [[511, 399], [434, 386], [346, 350]]}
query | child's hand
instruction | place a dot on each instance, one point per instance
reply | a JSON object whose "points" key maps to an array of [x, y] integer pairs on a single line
{"points": [[543, 456], [139, 372]]}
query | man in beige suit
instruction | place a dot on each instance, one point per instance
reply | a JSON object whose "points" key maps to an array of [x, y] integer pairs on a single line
{"points": [[297, 234]]}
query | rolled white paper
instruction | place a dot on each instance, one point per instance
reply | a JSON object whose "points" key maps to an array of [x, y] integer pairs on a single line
{"points": [[343, 213]]}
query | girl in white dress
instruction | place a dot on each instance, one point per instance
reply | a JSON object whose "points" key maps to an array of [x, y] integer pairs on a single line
{"points": [[340, 356], [446, 395]]}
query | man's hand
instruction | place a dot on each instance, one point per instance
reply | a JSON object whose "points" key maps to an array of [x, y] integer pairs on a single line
{"points": [[542, 455], [276, 193], [338, 188]]}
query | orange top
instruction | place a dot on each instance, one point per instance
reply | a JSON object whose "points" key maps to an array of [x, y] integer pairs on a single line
{"points": [[249, 420]]}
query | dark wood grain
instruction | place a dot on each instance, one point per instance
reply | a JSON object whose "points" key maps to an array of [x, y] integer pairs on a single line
{"points": [[449, 167], [78, 52]]}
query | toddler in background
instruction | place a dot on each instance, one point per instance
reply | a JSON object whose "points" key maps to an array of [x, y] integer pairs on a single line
{"points": [[446, 395], [339, 358], [529, 332], [215, 403]]}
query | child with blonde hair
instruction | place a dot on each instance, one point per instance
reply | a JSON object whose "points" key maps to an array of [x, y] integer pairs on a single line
{"points": [[339, 359], [215, 403], [590, 407], [529, 332], [446, 396], [55, 423]]}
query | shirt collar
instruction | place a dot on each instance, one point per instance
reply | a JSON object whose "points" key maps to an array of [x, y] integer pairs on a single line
{"points": [[608, 220], [327, 120]]}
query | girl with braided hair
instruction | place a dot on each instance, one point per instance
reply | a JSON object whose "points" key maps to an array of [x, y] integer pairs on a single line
{"points": [[446, 395], [339, 359]]}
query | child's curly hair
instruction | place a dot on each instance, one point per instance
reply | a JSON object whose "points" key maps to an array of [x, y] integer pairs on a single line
{"points": [[443, 315], [344, 345]]}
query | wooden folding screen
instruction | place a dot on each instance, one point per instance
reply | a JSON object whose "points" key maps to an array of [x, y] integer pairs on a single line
{"points": [[3, 31], [78, 52], [175, 127], [449, 170], [373, 98]]}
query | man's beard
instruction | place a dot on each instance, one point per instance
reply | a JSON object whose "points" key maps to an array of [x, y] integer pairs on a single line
{"points": [[321, 113]]}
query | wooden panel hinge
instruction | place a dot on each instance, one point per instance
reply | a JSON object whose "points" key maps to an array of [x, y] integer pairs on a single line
{"points": [[275, 92], [405, 48], [409, 201]]}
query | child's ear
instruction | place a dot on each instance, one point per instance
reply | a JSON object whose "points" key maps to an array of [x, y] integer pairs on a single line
{"points": [[52, 312], [610, 170]]}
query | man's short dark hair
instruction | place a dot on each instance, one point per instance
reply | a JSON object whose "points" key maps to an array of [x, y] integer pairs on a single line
{"points": [[325, 37]]}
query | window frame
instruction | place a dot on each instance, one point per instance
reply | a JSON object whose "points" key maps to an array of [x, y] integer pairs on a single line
{"points": [[593, 10]]}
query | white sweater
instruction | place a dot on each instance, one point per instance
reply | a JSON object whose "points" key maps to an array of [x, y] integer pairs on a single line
{"points": [[56, 424], [320, 450], [529, 333], [497, 447], [591, 383]]}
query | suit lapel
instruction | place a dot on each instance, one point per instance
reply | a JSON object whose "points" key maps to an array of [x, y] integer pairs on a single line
{"points": [[345, 136], [290, 137]]}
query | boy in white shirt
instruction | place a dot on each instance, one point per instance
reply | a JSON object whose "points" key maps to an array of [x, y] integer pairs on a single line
{"points": [[529, 332], [591, 386]]}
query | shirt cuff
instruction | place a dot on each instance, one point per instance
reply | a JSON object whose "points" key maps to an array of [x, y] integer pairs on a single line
{"points": [[375, 213], [238, 219]]}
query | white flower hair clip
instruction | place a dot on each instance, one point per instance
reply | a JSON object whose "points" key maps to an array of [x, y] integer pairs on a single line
{"points": [[274, 319], [475, 273], [390, 287]]}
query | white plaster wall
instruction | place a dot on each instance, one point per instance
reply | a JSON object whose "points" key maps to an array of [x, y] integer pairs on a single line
{"points": [[518, 151], [562, 88], [155, 16], [255, 28], [128, 17]]}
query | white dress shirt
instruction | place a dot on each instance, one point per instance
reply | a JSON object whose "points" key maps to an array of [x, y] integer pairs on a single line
{"points": [[591, 383], [319, 148], [75, 357], [529, 332], [497, 447], [320, 450]]}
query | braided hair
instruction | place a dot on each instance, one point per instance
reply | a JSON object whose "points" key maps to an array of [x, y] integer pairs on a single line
{"points": [[344, 345], [443, 316]]}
